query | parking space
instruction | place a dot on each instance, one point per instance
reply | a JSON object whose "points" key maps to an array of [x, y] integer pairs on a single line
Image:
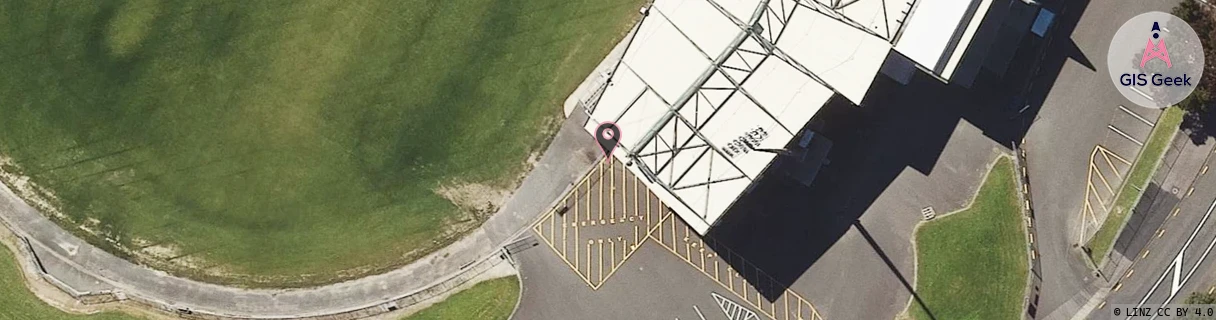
{"points": [[610, 215], [1110, 161]]}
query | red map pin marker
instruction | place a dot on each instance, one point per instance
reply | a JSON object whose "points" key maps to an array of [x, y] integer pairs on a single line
{"points": [[608, 135]]}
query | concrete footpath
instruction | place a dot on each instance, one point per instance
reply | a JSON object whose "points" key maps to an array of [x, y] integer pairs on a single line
{"points": [[92, 275]]}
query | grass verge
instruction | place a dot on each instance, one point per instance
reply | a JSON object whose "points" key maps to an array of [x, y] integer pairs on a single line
{"points": [[285, 143], [16, 302], [1137, 179], [972, 264], [490, 300]]}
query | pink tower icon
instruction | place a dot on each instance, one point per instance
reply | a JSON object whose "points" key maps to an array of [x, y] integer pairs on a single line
{"points": [[1157, 51]]}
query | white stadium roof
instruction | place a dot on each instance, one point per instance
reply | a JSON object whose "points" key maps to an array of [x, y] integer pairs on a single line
{"points": [[703, 79], [939, 31]]}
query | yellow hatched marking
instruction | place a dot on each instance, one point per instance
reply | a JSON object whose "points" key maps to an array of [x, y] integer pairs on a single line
{"points": [[659, 224], [1103, 179], [1088, 212], [588, 199], [601, 200], [794, 306], [1116, 155], [601, 261], [1097, 196], [1106, 155], [1093, 217], [564, 227], [596, 261]]}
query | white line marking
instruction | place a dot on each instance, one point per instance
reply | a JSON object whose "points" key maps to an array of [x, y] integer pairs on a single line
{"points": [[1120, 132], [698, 310], [1188, 275], [733, 310], [1201, 259], [1178, 260], [1142, 94], [1133, 114], [1177, 274]]}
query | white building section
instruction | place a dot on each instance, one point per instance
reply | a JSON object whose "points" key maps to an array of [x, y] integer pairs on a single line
{"points": [[709, 91], [938, 32]]}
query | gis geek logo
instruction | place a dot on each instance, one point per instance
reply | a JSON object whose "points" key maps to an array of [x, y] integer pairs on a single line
{"points": [[1156, 51], [1142, 65]]}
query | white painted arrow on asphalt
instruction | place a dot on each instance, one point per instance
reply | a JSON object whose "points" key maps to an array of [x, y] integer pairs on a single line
{"points": [[733, 310], [1180, 280], [1177, 274]]}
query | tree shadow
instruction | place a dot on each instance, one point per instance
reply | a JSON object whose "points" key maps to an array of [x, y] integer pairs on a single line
{"points": [[895, 270], [1199, 126], [896, 127]]}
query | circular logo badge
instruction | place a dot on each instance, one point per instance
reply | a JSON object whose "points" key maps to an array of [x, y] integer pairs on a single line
{"points": [[1155, 60]]}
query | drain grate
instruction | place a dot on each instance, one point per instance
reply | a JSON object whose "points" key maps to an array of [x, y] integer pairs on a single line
{"points": [[928, 213]]}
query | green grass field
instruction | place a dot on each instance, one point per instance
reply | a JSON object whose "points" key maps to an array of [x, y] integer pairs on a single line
{"points": [[286, 143], [16, 302], [1137, 179], [972, 264], [489, 300]]}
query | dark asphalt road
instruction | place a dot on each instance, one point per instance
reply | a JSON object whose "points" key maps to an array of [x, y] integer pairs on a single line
{"points": [[1175, 260], [1072, 120]]}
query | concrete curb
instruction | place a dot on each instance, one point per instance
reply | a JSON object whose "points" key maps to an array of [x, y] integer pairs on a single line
{"points": [[1034, 279]]}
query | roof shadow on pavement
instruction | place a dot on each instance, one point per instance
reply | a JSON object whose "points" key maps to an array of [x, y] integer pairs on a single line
{"points": [[782, 227]]}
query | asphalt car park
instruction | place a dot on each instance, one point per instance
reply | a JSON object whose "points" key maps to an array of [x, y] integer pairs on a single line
{"points": [[784, 251]]}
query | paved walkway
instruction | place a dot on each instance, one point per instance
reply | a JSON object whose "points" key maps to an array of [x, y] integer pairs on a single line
{"points": [[83, 270]]}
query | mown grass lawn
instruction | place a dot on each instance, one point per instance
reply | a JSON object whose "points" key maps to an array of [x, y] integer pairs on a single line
{"points": [[490, 300], [17, 302], [972, 264], [1137, 179], [286, 143]]}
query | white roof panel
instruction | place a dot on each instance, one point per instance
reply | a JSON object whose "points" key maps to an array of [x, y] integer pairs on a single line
{"points": [[740, 9], [665, 59], [930, 32], [706, 154], [843, 56], [882, 17], [735, 120], [624, 89], [635, 121], [713, 31], [790, 95]]}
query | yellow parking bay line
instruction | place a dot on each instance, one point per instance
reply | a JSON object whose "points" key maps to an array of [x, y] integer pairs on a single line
{"points": [[601, 241], [789, 305], [604, 241]]}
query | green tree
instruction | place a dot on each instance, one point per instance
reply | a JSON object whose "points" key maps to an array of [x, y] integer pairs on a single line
{"points": [[1199, 123], [1201, 298]]}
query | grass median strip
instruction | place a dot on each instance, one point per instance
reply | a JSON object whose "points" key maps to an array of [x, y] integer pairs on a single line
{"points": [[972, 264], [1137, 179], [490, 300]]}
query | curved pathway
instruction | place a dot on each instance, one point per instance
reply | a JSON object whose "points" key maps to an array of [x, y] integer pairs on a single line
{"points": [[86, 271]]}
